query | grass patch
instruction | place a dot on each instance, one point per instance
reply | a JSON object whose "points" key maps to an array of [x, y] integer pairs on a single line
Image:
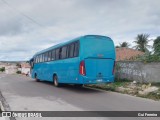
{"points": [[122, 80], [111, 86], [156, 84], [152, 95], [127, 87]]}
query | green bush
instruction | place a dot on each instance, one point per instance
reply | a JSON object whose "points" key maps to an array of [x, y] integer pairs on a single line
{"points": [[149, 58], [2, 69], [18, 72]]}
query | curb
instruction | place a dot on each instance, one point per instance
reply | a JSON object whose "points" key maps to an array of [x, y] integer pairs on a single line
{"points": [[4, 106], [1, 106]]}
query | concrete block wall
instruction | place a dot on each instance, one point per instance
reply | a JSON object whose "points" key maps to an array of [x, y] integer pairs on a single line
{"points": [[138, 71]]}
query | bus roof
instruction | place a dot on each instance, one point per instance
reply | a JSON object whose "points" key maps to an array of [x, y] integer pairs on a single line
{"points": [[64, 43]]}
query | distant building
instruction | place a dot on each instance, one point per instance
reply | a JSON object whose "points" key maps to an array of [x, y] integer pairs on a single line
{"points": [[11, 69], [25, 68], [3, 64], [127, 54]]}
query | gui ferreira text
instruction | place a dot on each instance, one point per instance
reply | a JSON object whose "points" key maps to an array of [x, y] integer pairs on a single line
{"points": [[145, 114]]}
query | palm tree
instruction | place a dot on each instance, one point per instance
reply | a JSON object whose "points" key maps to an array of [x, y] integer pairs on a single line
{"points": [[124, 44], [142, 42], [156, 45]]}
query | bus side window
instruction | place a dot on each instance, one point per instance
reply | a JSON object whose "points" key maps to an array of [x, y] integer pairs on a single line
{"points": [[76, 49], [39, 58], [49, 56], [71, 50], [36, 59], [46, 56], [60, 53], [42, 57], [64, 52], [53, 55], [32, 63], [57, 54], [67, 52]]}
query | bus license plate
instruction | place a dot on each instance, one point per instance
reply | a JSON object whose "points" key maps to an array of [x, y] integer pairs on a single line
{"points": [[99, 80]]}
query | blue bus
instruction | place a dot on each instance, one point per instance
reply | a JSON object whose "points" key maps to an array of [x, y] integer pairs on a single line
{"points": [[89, 59]]}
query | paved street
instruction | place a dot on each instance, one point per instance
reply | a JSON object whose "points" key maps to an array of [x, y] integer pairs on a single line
{"points": [[23, 93]]}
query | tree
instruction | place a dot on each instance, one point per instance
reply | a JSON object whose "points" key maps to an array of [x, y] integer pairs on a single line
{"points": [[142, 42], [156, 46], [124, 44]]}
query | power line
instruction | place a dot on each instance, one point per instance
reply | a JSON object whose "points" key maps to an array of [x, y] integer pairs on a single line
{"points": [[21, 13]]}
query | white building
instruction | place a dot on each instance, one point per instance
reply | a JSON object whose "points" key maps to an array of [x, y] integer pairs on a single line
{"points": [[25, 68]]}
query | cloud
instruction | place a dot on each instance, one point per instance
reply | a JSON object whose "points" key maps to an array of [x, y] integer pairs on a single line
{"points": [[28, 26]]}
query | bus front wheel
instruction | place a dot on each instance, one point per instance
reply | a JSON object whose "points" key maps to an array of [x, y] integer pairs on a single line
{"points": [[55, 80]]}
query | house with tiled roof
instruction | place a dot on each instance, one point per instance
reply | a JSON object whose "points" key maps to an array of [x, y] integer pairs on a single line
{"points": [[127, 54]]}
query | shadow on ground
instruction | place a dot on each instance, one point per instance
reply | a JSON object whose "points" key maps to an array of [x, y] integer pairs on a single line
{"points": [[70, 87]]}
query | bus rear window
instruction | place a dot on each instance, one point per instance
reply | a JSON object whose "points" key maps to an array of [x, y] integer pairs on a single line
{"points": [[98, 48]]}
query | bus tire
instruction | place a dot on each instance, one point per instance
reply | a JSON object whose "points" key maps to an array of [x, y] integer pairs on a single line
{"points": [[78, 85], [36, 79], [55, 80]]}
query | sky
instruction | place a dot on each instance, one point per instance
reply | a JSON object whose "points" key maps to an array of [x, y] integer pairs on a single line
{"points": [[28, 26]]}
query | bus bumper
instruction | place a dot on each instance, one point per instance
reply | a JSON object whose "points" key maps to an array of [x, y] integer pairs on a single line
{"points": [[87, 80]]}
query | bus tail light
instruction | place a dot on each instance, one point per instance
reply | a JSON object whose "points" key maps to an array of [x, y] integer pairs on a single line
{"points": [[82, 70], [113, 67]]}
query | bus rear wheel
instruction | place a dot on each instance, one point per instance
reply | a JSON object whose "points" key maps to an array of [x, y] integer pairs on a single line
{"points": [[55, 80], [36, 79], [78, 85]]}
